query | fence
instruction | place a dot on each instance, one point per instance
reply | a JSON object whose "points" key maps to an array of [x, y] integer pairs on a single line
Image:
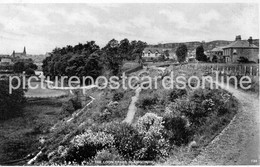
{"points": [[231, 69]]}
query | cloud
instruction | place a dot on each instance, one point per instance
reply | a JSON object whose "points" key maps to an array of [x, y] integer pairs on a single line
{"points": [[42, 27], [176, 17]]}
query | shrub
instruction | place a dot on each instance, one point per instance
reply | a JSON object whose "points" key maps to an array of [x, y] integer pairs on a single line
{"points": [[29, 72], [118, 96], [176, 93], [127, 140], [176, 130], [10, 104], [85, 146], [154, 146], [107, 155], [67, 108], [147, 102], [76, 103]]}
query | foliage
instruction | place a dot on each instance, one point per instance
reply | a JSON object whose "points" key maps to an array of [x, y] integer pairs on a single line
{"points": [[29, 72], [89, 60], [215, 59], [147, 102], [154, 145], [176, 130], [127, 140], [106, 156], [19, 67], [10, 104], [242, 59], [118, 96], [176, 93], [181, 53], [85, 146], [200, 56]]}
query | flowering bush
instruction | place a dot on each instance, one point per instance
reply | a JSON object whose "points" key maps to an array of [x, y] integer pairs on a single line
{"points": [[127, 140], [150, 126], [85, 146]]}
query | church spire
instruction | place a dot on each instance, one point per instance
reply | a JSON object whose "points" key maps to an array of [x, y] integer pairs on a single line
{"points": [[24, 51]]}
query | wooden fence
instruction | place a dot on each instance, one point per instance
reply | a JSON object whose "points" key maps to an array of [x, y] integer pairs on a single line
{"points": [[231, 69]]}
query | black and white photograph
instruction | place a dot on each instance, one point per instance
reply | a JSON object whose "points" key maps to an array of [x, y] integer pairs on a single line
{"points": [[129, 83]]}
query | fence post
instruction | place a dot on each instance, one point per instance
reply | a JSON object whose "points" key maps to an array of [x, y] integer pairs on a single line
{"points": [[251, 70]]}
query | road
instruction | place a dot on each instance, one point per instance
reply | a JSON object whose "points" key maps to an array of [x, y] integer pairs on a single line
{"points": [[238, 144]]}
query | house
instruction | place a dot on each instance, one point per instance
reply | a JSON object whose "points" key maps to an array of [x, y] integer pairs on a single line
{"points": [[241, 48], [152, 54], [6, 60], [216, 54]]}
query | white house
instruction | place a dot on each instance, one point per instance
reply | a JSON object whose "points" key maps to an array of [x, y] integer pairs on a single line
{"points": [[150, 54]]}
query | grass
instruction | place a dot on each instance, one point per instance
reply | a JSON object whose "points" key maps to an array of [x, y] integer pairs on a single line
{"points": [[43, 93], [129, 65], [20, 136]]}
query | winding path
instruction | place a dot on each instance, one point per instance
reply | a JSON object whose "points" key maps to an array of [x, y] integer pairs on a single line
{"points": [[132, 108], [238, 144]]}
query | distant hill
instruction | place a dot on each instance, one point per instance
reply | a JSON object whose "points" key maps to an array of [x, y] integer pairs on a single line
{"points": [[194, 44]]}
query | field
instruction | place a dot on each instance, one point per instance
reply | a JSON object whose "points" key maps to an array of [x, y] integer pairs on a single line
{"points": [[43, 93], [20, 136]]}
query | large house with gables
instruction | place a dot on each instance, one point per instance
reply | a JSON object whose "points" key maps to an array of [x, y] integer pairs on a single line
{"points": [[151, 54], [241, 48]]}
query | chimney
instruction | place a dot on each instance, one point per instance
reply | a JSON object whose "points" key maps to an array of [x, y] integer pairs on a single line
{"points": [[238, 38], [250, 40]]}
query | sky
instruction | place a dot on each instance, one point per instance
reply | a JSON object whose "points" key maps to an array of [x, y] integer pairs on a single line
{"points": [[42, 27]]}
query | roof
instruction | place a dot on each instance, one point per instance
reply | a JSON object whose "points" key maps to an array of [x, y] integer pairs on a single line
{"points": [[240, 44], [18, 54], [217, 49], [5, 56], [153, 50]]}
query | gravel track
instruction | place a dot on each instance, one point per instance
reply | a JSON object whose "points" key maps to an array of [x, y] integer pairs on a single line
{"points": [[238, 144]]}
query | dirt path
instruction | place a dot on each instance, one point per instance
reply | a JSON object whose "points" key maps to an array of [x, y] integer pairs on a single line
{"points": [[238, 144], [132, 108]]}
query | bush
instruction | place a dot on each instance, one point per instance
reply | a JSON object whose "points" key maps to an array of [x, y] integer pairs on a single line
{"points": [[176, 130], [118, 96], [107, 155], [176, 93], [76, 103], [154, 146], [29, 72], [10, 104], [127, 140], [84, 147], [67, 108], [147, 102]]}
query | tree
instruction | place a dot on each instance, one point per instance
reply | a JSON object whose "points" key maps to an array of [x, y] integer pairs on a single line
{"points": [[31, 65], [215, 59], [112, 58], [181, 53], [29, 72], [200, 56], [124, 48], [167, 55], [18, 67], [243, 60]]}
